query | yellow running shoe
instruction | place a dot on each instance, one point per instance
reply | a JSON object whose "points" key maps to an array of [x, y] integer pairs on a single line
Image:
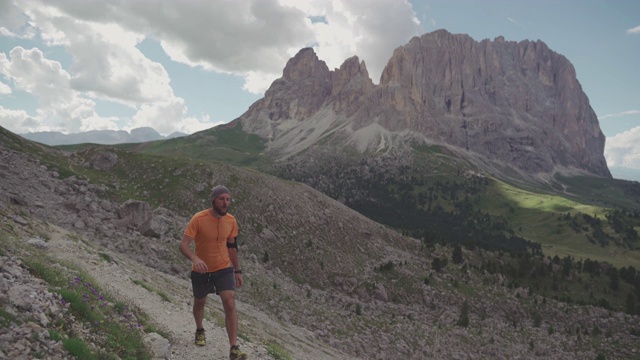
{"points": [[236, 354], [200, 338]]}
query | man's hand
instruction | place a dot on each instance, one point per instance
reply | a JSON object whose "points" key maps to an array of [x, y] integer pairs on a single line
{"points": [[239, 280], [199, 265]]}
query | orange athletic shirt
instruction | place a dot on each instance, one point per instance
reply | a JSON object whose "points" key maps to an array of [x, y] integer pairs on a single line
{"points": [[210, 235]]}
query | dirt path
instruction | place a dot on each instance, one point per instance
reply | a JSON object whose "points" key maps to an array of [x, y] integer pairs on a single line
{"points": [[173, 317]]}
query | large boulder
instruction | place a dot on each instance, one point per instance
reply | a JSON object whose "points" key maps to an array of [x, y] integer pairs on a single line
{"points": [[162, 222], [104, 161], [135, 214]]}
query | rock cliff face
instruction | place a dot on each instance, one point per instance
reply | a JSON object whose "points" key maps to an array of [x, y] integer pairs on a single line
{"points": [[515, 104]]}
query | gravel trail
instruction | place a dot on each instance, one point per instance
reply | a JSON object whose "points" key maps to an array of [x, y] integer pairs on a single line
{"points": [[173, 317]]}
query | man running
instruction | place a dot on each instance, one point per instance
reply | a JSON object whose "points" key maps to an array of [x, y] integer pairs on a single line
{"points": [[215, 266]]}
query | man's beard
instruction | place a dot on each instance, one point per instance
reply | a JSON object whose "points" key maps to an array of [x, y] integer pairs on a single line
{"points": [[219, 211]]}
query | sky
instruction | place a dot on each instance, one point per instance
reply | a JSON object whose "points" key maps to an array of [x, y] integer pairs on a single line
{"points": [[189, 65]]}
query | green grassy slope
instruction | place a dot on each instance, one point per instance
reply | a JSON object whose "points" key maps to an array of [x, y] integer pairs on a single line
{"points": [[225, 143], [409, 197], [559, 224]]}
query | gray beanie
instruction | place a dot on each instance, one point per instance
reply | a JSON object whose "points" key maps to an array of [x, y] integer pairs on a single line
{"points": [[218, 190]]}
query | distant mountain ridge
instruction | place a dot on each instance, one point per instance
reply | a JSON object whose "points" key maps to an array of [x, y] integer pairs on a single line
{"points": [[621, 172], [104, 137]]}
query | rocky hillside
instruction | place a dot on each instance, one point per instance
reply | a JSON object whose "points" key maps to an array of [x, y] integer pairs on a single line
{"points": [[321, 280], [504, 103]]}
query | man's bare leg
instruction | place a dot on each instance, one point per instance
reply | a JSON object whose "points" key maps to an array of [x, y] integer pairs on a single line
{"points": [[230, 315], [198, 311]]}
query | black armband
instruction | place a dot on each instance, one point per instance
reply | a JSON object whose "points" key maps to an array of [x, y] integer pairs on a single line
{"points": [[234, 244]]}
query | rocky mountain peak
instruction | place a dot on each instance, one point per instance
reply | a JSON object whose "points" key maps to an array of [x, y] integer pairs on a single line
{"points": [[298, 94], [305, 64], [517, 104], [350, 84]]}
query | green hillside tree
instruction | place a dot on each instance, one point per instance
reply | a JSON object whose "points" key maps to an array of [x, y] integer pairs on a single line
{"points": [[456, 255], [463, 320], [631, 304], [614, 279]]}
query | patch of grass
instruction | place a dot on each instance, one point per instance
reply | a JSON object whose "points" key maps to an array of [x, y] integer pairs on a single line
{"points": [[44, 235], [54, 276], [55, 335], [4, 242], [105, 257], [616, 192], [74, 237], [215, 316], [78, 348], [230, 145], [9, 227], [539, 217], [277, 351], [90, 305], [6, 318], [244, 336], [465, 289], [148, 287], [427, 149]]}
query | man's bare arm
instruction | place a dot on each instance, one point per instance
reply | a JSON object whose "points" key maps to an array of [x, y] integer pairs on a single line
{"points": [[233, 256], [185, 248]]}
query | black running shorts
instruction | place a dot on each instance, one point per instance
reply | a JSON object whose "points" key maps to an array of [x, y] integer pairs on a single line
{"points": [[212, 282]]}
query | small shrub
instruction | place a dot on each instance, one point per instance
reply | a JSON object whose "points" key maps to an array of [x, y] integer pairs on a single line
{"points": [[537, 319], [386, 267], [44, 235], [6, 318], [78, 348], [463, 320], [55, 335], [106, 257]]}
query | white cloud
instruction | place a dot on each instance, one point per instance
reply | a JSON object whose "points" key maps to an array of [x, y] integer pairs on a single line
{"points": [[250, 38], [192, 124], [17, 121], [167, 117], [515, 22], [31, 72], [255, 38], [233, 37], [624, 113], [107, 63], [4, 89], [13, 22], [623, 150], [635, 30], [257, 82], [369, 29], [60, 107]]}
